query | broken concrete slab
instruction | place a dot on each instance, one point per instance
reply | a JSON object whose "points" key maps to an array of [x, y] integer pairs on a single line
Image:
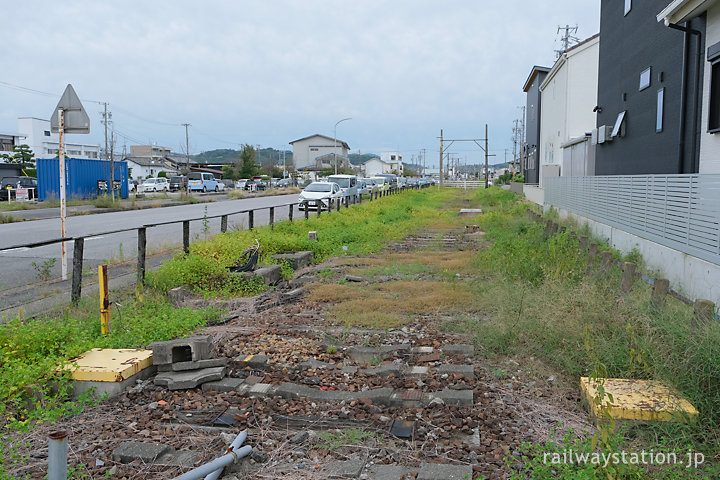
{"points": [[345, 469], [270, 274], [464, 370], [256, 362], [354, 279], [197, 365], [181, 458], [225, 385], [297, 260], [387, 472], [417, 371], [126, 452], [258, 390], [315, 364], [189, 379], [459, 349], [402, 429], [454, 397], [189, 349], [437, 471], [383, 370], [179, 294], [470, 212], [292, 294]]}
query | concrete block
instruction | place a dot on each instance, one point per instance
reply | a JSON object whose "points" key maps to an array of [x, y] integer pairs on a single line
{"points": [[126, 452], [225, 385], [437, 471], [417, 371], [383, 370], [455, 397], [111, 389], [422, 350], [387, 472], [459, 349], [256, 362], [465, 370], [366, 354], [315, 364], [401, 347], [178, 294], [312, 236], [292, 294], [209, 363], [259, 390], [189, 349], [270, 274], [183, 458], [292, 390], [189, 379], [345, 469], [377, 395], [297, 260]]}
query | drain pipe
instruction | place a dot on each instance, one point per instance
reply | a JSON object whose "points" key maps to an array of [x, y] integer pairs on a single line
{"points": [[57, 455], [213, 470], [683, 91]]}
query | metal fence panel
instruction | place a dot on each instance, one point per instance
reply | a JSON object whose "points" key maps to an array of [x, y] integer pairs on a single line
{"points": [[678, 211]]}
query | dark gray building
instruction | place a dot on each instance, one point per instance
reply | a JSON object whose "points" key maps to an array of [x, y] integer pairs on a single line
{"points": [[531, 145], [649, 91]]}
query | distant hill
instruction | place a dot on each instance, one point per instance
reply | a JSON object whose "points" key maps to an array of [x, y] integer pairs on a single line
{"points": [[359, 159], [228, 156]]}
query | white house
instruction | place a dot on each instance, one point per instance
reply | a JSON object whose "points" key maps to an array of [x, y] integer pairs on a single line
{"points": [[376, 166], [46, 144], [678, 12], [569, 95], [307, 150], [10, 140], [146, 167]]}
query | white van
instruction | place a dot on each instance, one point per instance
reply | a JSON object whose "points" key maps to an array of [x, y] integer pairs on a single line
{"points": [[348, 185], [201, 181]]}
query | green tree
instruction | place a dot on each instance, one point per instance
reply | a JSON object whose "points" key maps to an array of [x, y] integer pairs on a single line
{"points": [[230, 172], [248, 169], [22, 155], [162, 173]]}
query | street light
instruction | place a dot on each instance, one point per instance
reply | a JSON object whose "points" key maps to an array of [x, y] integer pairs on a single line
{"points": [[335, 140]]}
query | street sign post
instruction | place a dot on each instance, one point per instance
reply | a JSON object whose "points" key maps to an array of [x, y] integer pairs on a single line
{"points": [[68, 117]]}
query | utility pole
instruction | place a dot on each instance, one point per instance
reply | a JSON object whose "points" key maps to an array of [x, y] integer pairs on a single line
{"points": [[487, 172], [566, 39], [441, 158], [523, 149], [187, 156]]}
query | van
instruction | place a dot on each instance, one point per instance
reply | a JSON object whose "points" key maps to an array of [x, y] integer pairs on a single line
{"points": [[391, 177], [201, 181], [348, 185]]}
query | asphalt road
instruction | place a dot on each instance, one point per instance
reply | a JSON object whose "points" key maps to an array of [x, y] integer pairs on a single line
{"points": [[16, 267]]}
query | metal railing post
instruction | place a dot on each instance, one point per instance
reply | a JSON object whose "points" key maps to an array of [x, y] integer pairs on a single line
{"points": [[57, 455], [76, 291], [307, 210], [186, 236], [272, 218], [290, 213], [223, 224], [251, 219], [142, 244]]}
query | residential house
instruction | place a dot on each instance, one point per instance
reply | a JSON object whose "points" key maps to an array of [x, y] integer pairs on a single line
{"points": [[319, 151], [694, 13], [394, 159], [531, 144], [46, 144], [569, 95], [649, 88], [8, 141], [151, 151], [146, 167]]}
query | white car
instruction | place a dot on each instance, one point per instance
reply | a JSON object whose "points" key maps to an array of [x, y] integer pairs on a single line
{"points": [[321, 195], [159, 184]]}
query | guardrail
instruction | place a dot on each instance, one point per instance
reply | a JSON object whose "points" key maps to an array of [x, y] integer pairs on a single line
{"points": [[79, 242], [464, 183]]}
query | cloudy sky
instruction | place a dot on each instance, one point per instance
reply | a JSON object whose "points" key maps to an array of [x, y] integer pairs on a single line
{"points": [[268, 72]]}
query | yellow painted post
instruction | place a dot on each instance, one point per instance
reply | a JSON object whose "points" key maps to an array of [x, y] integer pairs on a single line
{"points": [[104, 300]]}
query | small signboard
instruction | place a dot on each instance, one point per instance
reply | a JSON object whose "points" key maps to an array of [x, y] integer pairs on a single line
{"points": [[76, 119], [21, 194], [116, 185]]}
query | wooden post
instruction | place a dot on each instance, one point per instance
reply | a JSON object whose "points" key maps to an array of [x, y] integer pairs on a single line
{"points": [[583, 243], [704, 312], [142, 244], [76, 290], [251, 219], [272, 218], [337, 204], [593, 251], [307, 211], [319, 208], [548, 229], [347, 202], [659, 292], [223, 224], [628, 277], [605, 258], [290, 212], [104, 299], [186, 236]]}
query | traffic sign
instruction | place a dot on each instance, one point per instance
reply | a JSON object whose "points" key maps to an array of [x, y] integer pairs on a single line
{"points": [[76, 119]]}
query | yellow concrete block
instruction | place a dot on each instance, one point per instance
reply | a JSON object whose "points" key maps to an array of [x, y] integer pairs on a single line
{"points": [[109, 364], [645, 400]]}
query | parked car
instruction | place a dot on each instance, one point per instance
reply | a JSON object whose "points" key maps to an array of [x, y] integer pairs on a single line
{"points": [[380, 184], [178, 182], [348, 184], [391, 177], [220, 186], [11, 184], [229, 184], [285, 182], [202, 181], [132, 185], [240, 184], [322, 195], [255, 185], [159, 184], [363, 187]]}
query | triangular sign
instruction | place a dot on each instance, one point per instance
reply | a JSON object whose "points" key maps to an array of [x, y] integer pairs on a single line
{"points": [[76, 119]]}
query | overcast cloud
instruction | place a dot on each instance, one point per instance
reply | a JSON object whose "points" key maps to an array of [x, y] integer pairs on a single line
{"points": [[269, 72]]}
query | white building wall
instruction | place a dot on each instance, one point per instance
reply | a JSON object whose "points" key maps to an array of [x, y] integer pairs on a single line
{"points": [[374, 167], [569, 94], [709, 142], [306, 151], [45, 144]]}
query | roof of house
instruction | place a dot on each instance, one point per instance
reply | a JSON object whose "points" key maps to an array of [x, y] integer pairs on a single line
{"points": [[341, 142], [149, 162], [536, 70], [680, 11], [587, 43]]}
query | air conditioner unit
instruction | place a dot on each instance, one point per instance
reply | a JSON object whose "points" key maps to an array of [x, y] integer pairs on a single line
{"points": [[604, 134], [594, 136]]}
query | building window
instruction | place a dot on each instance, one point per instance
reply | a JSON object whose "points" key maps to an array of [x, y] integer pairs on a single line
{"points": [[714, 102], [47, 133], [659, 114], [645, 78], [628, 7], [313, 149], [617, 129]]}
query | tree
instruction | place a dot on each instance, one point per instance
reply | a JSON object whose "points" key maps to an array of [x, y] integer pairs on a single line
{"points": [[162, 173], [248, 169], [22, 155]]}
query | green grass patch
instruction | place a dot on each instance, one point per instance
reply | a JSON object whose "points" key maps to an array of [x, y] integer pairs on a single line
{"points": [[342, 438], [363, 229]]}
